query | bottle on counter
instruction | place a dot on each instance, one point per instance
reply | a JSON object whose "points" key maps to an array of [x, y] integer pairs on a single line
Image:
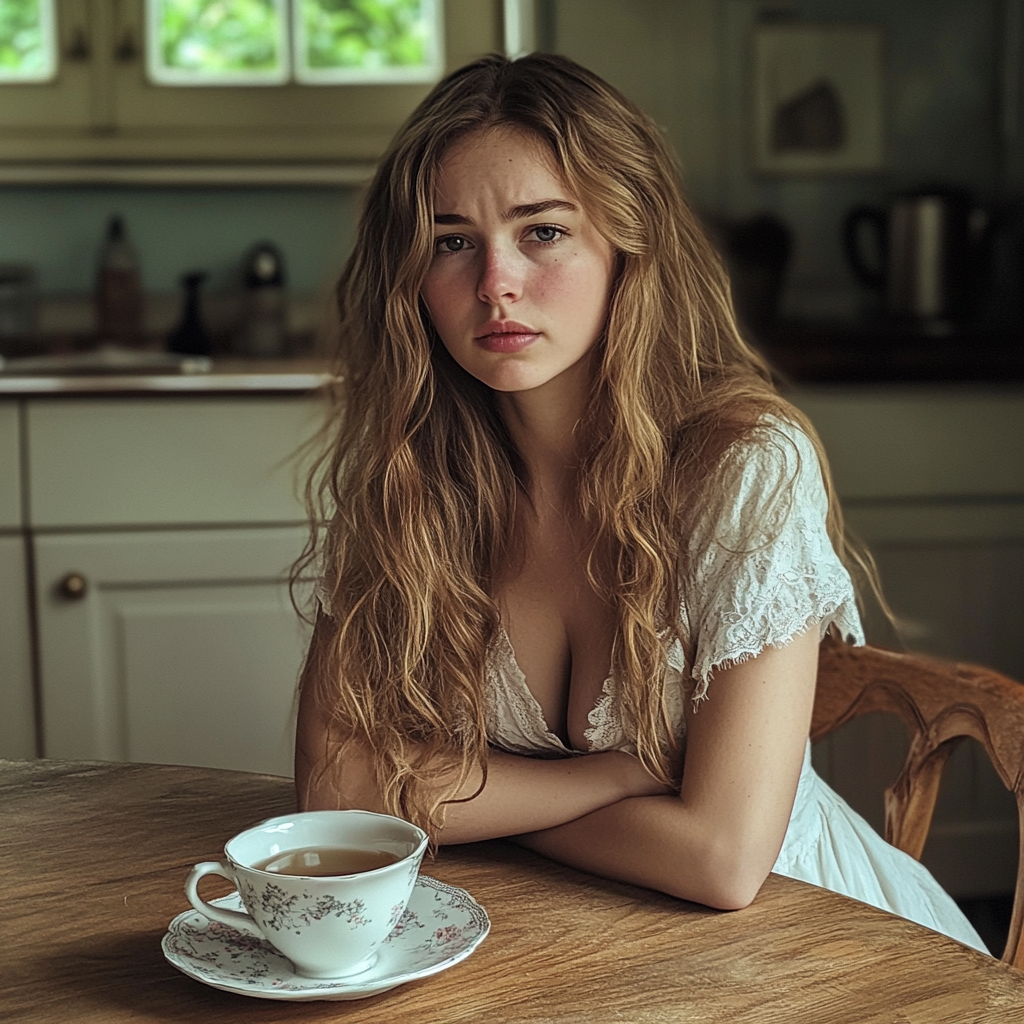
{"points": [[190, 337], [264, 320], [119, 303]]}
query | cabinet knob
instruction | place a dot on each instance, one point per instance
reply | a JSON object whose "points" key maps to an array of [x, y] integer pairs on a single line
{"points": [[127, 49], [78, 49], [74, 586]]}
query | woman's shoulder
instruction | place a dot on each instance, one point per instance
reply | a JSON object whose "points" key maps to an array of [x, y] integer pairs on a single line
{"points": [[772, 470], [774, 441], [762, 567]]}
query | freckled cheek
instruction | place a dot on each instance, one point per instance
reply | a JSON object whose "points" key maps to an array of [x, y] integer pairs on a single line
{"points": [[558, 282], [583, 288]]}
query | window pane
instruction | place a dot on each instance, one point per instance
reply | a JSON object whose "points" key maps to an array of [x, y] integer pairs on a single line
{"points": [[216, 42], [28, 49], [367, 40]]}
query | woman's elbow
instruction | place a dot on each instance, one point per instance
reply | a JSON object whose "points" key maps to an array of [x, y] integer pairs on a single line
{"points": [[734, 890], [734, 875]]}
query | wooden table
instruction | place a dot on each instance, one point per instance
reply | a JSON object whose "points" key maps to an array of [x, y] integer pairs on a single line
{"points": [[93, 857]]}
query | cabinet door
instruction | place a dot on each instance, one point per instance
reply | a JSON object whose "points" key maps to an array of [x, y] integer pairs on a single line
{"points": [[47, 120], [17, 702], [10, 466], [170, 647]]}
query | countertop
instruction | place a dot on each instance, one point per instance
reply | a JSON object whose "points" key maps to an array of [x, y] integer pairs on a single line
{"points": [[892, 353], [810, 353], [224, 376]]}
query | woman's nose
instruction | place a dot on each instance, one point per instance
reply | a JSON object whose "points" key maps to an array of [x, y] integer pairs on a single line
{"points": [[500, 276]]}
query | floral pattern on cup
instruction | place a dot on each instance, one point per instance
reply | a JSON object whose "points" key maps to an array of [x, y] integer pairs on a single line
{"points": [[281, 912]]}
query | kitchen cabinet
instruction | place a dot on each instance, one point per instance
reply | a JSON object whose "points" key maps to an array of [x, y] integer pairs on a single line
{"points": [[932, 479], [162, 531], [17, 694], [171, 647], [101, 107]]}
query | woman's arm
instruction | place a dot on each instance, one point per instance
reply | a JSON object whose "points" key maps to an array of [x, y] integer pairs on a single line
{"points": [[522, 794], [716, 841]]}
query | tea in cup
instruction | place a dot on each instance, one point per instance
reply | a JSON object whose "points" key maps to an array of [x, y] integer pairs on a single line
{"points": [[325, 888]]}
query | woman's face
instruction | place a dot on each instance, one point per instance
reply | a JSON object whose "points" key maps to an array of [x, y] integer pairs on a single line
{"points": [[519, 282]]}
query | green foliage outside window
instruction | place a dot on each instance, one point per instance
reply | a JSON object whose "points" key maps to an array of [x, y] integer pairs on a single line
{"points": [[217, 36], [364, 34], [22, 44], [222, 42]]}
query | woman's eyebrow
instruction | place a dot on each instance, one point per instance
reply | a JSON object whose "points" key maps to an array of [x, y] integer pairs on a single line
{"points": [[520, 212], [533, 209]]}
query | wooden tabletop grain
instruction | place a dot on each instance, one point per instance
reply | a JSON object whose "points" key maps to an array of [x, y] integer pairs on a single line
{"points": [[93, 857]]}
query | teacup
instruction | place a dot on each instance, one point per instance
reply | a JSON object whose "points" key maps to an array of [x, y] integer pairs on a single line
{"points": [[328, 925]]}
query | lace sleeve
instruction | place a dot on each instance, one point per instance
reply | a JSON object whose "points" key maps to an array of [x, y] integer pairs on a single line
{"points": [[764, 569]]}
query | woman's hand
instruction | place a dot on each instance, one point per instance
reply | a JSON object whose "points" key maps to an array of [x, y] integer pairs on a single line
{"points": [[633, 777]]}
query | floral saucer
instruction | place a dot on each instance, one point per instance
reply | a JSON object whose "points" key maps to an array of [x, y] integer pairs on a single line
{"points": [[441, 926]]}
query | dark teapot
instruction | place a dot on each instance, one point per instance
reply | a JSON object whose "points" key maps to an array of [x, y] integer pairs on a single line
{"points": [[933, 248]]}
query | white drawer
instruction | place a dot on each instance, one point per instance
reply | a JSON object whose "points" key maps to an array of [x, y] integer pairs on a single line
{"points": [[928, 443], [10, 478], [156, 461]]}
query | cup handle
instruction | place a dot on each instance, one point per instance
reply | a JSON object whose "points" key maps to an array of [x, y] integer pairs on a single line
{"points": [[232, 918]]}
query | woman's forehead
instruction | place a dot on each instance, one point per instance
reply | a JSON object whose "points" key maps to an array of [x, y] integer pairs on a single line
{"points": [[501, 148]]}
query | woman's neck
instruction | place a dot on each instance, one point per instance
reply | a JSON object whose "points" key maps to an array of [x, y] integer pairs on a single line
{"points": [[543, 425]]}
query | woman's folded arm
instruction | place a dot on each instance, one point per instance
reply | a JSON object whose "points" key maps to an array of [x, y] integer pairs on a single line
{"points": [[716, 841], [521, 794]]}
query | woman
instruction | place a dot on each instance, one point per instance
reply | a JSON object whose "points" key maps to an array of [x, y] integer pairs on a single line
{"points": [[578, 554]]}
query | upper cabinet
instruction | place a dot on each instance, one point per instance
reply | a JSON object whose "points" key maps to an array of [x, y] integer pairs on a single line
{"points": [[121, 91]]}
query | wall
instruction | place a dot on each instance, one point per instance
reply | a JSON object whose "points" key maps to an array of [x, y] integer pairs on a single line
{"points": [[59, 231]]}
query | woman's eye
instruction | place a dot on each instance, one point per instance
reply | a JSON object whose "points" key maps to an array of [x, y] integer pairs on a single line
{"points": [[547, 233], [449, 244]]}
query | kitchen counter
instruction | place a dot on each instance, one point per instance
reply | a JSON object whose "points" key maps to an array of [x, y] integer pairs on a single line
{"points": [[882, 352], [223, 376]]}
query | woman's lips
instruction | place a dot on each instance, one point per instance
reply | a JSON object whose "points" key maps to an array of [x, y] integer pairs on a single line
{"points": [[505, 336]]}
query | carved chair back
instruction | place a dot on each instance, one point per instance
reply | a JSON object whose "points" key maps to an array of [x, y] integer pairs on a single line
{"points": [[940, 702]]}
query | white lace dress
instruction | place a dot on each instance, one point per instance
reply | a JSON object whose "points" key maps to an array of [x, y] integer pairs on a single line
{"points": [[746, 594]]}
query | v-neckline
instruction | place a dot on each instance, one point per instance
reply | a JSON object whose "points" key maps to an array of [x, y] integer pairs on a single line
{"points": [[530, 699]]}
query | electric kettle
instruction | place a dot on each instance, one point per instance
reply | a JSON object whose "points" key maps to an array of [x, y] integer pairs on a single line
{"points": [[932, 248]]}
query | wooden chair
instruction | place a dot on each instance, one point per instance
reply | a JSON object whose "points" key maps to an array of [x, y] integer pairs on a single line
{"points": [[939, 702]]}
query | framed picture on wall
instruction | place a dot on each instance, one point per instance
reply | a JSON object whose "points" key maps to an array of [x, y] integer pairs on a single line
{"points": [[817, 98]]}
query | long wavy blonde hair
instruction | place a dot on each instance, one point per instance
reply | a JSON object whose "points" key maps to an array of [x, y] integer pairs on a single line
{"points": [[413, 498]]}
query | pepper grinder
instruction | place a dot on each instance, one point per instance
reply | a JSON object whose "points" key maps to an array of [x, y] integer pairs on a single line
{"points": [[190, 337]]}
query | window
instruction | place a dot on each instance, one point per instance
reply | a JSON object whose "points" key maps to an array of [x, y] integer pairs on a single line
{"points": [[28, 43], [267, 42]]}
